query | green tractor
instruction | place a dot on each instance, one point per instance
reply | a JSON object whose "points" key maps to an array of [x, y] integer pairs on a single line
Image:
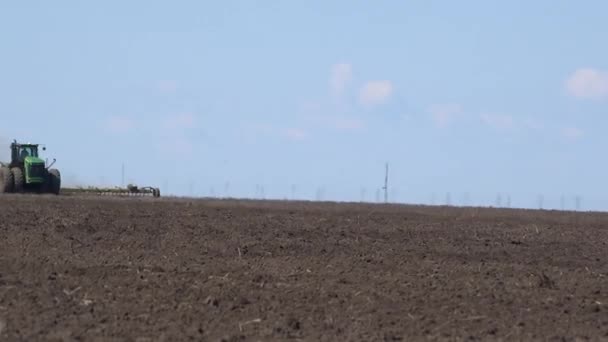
{"points": [[27, 172]]}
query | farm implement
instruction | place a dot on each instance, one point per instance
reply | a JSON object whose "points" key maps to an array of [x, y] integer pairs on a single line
{"points": [[130, 191], [28, 173]]}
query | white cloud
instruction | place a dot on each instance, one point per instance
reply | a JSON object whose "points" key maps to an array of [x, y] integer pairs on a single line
{"points": [[497, 120], [176, 147], [295, 134], [588, 83], [375, 92], [444, 114], [339, 122], [532, 123], [167, 86], [341, 76], [180, 121], [572, 133], [119, 124], [348, 124]]}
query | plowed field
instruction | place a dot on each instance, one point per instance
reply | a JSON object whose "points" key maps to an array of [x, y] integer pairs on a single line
{"points": [[99, 269]]}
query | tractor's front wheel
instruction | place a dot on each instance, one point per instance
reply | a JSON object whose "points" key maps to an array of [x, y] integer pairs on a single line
{"points": [[6, 180], [18, 179], [54, 181]]}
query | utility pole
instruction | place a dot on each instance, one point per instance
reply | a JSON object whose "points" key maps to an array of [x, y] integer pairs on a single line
{"points": [[122, 179]]}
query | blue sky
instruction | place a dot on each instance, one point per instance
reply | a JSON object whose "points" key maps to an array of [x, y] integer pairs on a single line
{"points": [[462, 97]]}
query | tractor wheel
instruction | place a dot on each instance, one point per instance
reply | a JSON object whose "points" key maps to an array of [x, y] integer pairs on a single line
{"points": [[6, 180], [18, 179], [54, 181]]}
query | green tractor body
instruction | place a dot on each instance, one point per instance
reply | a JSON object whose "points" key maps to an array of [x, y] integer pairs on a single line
{"points": [[27, 172]]}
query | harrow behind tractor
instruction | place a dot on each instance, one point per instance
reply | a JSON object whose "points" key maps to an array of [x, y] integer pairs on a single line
{"points": [[27, 172], [130, 191]]}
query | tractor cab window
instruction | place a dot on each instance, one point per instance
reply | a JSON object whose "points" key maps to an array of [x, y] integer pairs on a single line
{"points": [[27, 152]]}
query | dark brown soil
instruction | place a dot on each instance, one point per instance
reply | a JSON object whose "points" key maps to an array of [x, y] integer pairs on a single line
{"points": [[99, 269]]}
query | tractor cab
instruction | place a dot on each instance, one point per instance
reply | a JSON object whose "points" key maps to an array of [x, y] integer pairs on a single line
{"points": [[19, 152]]}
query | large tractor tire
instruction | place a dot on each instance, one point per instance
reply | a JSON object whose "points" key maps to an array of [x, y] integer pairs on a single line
{"points": [[54, 181], [18, 179], [6, 180]]}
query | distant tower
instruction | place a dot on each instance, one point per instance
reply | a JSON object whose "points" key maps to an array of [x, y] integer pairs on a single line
{"points": [[578, 202], [541, 200], [498, 200], [319, 194], [226, 189], [448, 199], [293, 191], [508, 201], [363, 194], [385, 188], [466, 199], [562, 202]]}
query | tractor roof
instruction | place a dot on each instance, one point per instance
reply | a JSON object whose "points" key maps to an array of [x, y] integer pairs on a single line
{"points": [[23, 144]]}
